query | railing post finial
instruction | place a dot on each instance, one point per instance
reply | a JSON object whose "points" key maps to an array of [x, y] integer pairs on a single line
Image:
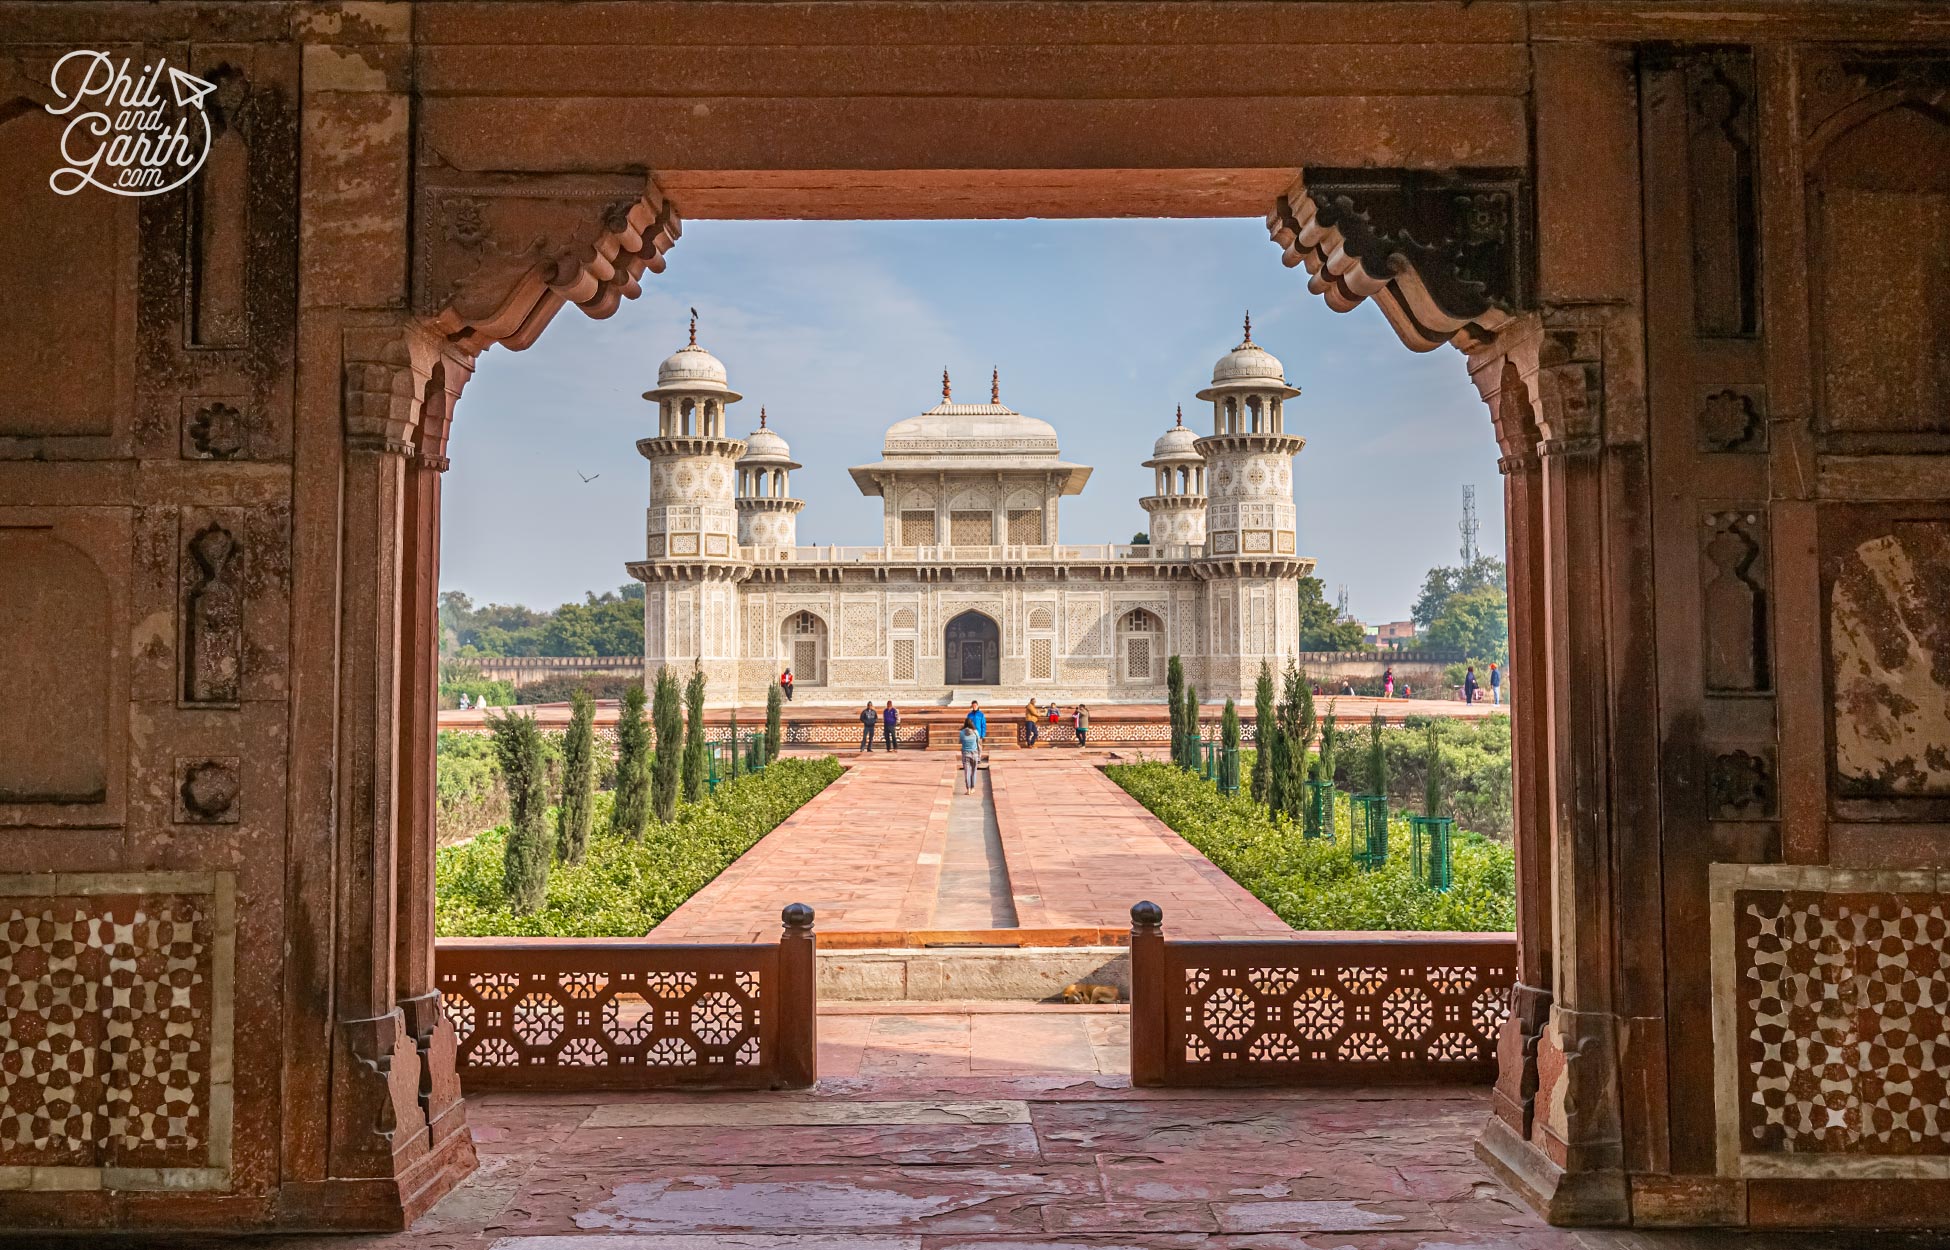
{"points": [[797, 916], [1147, 919]]}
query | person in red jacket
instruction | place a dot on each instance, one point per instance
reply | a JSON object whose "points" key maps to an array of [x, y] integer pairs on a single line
{"points": [[785, 683]]}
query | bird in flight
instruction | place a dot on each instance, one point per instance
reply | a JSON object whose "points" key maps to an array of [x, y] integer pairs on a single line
{"points": [[587, 477]]}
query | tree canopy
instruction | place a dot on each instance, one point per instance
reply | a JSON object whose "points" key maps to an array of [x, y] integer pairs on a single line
{"points": [[1322, 628], [607, 624], [1445, 582]]}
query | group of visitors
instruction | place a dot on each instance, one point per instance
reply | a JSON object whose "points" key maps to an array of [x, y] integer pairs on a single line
{"points": [[888, 719], [1470, 686], [1033, 718], [974, 730]]}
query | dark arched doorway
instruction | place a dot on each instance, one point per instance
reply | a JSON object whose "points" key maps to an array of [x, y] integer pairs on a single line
{"points": [[972, 651]]}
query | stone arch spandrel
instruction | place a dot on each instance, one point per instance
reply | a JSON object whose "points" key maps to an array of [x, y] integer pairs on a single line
{"points": [[62, 742]]}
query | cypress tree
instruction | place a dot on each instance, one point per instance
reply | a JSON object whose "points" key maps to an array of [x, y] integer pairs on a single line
{"points": [[1434, 783], [1377, 758], [1296, 731], [666, 715], [1263, 734], [1330, 734], [524, 864], [774, 736], [578, 806], [737, 760], [631, 809], [1229, 748], [694, 737], [1193, 742], [1175, 704]]}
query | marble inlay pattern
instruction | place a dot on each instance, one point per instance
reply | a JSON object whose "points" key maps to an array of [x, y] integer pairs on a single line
{"points": [[115, 1041]]}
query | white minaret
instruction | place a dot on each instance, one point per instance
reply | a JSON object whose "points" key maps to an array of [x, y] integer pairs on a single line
{"points": [[1177, 502], [1250, 562], [693, 557], [768, 516]]}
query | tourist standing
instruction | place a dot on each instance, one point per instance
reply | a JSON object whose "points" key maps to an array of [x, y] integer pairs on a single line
{"points": [[971, 753], [1030, 715], [1080, 720], [891, 720], [1496, 684], [785, 683], [979, 719], [868, 719], [1469, 685], [463, 700], [1388, 683]]}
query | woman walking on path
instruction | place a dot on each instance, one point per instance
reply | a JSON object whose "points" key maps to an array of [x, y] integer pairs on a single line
{"points": [[891, 719], [971, 753], [868, 719], [1030, 713], [785, 683], [1081, 721]]}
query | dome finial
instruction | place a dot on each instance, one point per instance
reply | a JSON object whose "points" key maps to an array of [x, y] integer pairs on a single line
{"points": [[1249, 325], [761, 417], [1180, 422], [693, 327], [995, 385], [946, 394]]}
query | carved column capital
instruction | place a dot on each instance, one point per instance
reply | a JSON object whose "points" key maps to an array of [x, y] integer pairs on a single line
{"points": [[386, 367], [1445, 256]]}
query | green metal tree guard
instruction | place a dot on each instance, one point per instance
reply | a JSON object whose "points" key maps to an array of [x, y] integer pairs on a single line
{"points": [[1228, 769], [1320, 809], [755, 751], [1370, 831], [1432, 863], [713, 772]]}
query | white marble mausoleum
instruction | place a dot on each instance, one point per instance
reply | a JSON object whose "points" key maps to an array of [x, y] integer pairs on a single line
{"points": [[972, 592]]}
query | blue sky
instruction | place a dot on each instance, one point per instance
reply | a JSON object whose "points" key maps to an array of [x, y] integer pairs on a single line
{"points": [[842, 328]]}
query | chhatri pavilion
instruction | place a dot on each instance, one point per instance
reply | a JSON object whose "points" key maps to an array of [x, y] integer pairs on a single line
{"points": [[972, 591]]}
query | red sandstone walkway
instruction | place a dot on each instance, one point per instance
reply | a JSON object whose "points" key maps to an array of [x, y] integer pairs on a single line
{"points": [[925, 1144], [868, 855]]}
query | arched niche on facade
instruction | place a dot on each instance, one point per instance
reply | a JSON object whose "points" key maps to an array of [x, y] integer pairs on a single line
{"points": [[1140, 647], [971, 649], [805, 642]]}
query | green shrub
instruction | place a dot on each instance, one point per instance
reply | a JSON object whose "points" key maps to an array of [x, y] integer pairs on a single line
{"points": [[625, 885], [525, 849], [1314, 884], [1475, 762], [467, 789], [577, 806], [561, 687], [498, 693]]}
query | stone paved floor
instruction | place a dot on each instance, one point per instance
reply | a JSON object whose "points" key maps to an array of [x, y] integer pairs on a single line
{"points": [[986, 1127], [868, 854]]}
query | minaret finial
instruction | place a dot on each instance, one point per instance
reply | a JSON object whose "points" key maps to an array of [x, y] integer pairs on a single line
{"points": [[693, 327], [1180, 423], [946, 394], [995, 385], [1249, 325], [761, 418]]}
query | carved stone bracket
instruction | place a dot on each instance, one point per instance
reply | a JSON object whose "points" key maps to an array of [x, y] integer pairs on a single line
{"points": [[388, 370], [498, 257], [1443, 255]]}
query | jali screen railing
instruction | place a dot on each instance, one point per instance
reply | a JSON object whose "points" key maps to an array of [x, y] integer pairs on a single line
{"points": [[597, 1013], [1339, 1009]]}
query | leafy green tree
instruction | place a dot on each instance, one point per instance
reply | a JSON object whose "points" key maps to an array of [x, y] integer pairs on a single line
{"points": [[666, 714], [577, 810], [1193, 742], [606, 624], [629, 812], [1474, 622], [774, 735], [1377, 770], [1140, 539], [694, 737], [1296, 715], [1322, 627], [1264, 731], [1445, 582], [524, 863], [1175, 705]]}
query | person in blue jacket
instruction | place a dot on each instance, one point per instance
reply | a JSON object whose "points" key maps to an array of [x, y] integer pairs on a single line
{"points": [[891, 720], [977, 719]]}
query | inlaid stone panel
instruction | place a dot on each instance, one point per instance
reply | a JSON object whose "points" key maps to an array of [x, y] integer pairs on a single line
{"points": [[115, 1041], [1832, 1021], [1889, 658]]}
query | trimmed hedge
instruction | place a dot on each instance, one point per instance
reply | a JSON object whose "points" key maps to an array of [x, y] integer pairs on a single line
{"points": [[624, 887], [1314, 884]]}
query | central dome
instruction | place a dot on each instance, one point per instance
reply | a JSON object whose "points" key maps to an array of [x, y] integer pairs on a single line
{"points": [[691, 366], [1248, 362]]}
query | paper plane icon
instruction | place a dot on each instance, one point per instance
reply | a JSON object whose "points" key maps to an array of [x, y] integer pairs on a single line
{"points": [[189, 88]]}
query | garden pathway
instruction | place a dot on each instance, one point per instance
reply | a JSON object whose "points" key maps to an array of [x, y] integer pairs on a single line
{"points": [[889, 849], [916, 1139]]}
